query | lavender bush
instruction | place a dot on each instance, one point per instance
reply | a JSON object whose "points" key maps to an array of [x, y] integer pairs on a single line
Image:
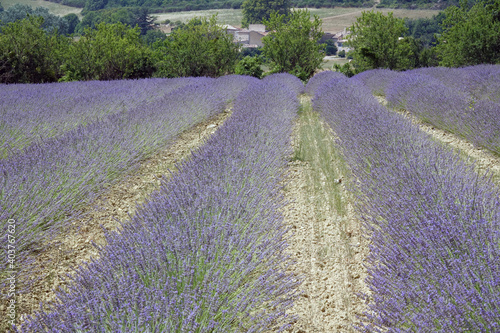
{"points": [[206, 252], [321, 78], [468, 111], [44, 186], [434, 223], [377, 80], [290, 80], [31, 112], [481, 81]]}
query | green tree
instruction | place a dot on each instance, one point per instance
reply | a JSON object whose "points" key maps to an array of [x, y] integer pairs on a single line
{"points": [[129, 16], [292, 43], [72, 21], [345, 69], [250, 66], [470, 36], [375, 39], [110, 52], [256, 11], [28, 54], [93, 5], [142, 19], [152, 36], [425, 29], [200, 48], [51, 22], [330, 48]]}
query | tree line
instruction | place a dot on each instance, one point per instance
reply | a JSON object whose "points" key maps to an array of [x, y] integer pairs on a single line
{"points": [[468, 34], [189, 5], [31, 54], [33, 51], [159, 6]]}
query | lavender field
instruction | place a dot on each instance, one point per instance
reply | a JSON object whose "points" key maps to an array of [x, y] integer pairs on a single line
{"points": [[210, 249], [432, 220]]}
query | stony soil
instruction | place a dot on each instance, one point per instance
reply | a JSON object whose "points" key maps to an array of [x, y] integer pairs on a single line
{"points": [[329, 250]]}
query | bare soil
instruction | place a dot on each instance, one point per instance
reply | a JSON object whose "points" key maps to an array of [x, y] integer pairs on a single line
{"points": [[329, 250], [74, 247]]}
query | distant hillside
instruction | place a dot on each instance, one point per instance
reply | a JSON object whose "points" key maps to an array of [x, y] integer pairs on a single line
{"points": [[157, 6], [421, 4], [417, 4]]}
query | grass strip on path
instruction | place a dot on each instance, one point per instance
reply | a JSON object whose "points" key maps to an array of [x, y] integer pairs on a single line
{"points": [[327, 241]]}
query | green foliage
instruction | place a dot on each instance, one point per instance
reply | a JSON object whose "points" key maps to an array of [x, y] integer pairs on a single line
{"points": [[28, 54], [129, 16], [417, 4], [330, 48], [72, 3], [342, 54], [258, 11], [51, 23], [93, 5], [251, 51], [345, 69], [72, 21], [470, 36], [375, 39], [110, 52], [428, 57], [250, 66], [161, 6], [201, 48], [152, 36], [292, 44], [425, 29]]}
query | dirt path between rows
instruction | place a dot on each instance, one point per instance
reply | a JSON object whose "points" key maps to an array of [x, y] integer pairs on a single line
{"points": [[326, 239], [74, 247], [486, 161]]}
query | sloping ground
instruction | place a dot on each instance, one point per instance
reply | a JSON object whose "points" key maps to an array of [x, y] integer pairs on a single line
{"points": [[485, 161], [74, 248], [326, 238]]}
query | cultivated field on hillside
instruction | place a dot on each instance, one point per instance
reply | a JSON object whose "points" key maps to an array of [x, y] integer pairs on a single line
{"points": [[237, 204], [54, 8], [334, 19]]}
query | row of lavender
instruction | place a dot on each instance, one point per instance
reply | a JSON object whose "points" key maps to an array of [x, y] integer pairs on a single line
{"points": [[434, 224], [30, 112], [464, 101], [43, 186], [206, 252]]}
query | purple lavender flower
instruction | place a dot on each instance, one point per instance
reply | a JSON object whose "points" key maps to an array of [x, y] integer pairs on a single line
{"points": [[434, 224], [43, 185], [206, 253]]}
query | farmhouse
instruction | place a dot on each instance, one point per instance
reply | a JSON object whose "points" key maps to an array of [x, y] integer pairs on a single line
{"points": [[339, 39], [251, 37]]}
